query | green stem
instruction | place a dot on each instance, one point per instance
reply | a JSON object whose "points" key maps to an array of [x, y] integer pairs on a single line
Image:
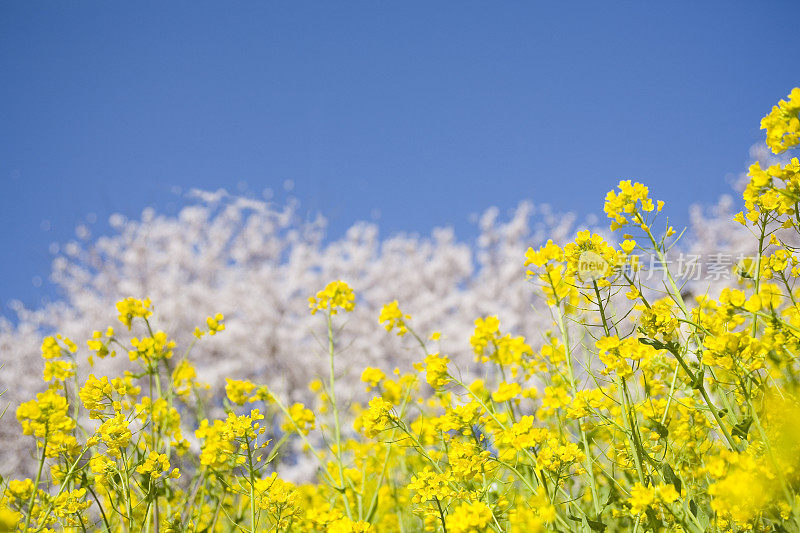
{"points": [[253, 523], [38, 478], [337, 427], [441, 513], [630, 425], [587, 450], [100, 506]]}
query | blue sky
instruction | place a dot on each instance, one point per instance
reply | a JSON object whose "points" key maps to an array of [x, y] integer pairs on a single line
{"points": [[425, 111]]}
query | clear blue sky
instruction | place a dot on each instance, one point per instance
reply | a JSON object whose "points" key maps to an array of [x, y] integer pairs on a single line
{"points": [[427, 111]]}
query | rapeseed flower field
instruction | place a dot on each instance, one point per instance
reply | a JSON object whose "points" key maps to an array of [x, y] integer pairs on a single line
{"points": [[661, 410]]}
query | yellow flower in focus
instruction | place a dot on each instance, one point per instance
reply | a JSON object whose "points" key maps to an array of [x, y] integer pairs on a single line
{"points": [[427, 485], [377, 418], [155, 465], [217, 447], [627, 205], [115, 434], [71, 503], [490, 345], [278, 498], [782, 123], [46, 416], [523, 434], [590, 258], [467, 461], [548, 252], [618, 354], [658, 321], [103, 468], [336, 295], [774, 189]]}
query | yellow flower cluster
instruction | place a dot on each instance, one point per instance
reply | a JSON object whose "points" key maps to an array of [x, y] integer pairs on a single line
{"points": [[372, 377], [47, 418], [375, 419], [148, 350], [100, 346], [638, 409], [184, 379], [646, 497], [116, 434], [774, 189], [629, 204], [436, 370], [299, 418], [278, 498], [621, 355], [783, 123], [155, 465], [590, 259], [98, 394], [393, 318], [490, 345], [522, 435], [335, 296], [214, 323], [658, 320], [238, 391], [55, 368], [131, 308], [469, 518], [548, 252]]}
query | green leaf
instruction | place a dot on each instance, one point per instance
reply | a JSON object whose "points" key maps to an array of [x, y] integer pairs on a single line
{"points": [[742, 428], [659, 428], [693, 507], [658, 345], [596, 525], [697, 384], [670, 477]]}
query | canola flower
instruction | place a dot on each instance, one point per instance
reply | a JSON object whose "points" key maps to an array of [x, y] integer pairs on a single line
{"points": [[336, 296], [649, 412]]}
